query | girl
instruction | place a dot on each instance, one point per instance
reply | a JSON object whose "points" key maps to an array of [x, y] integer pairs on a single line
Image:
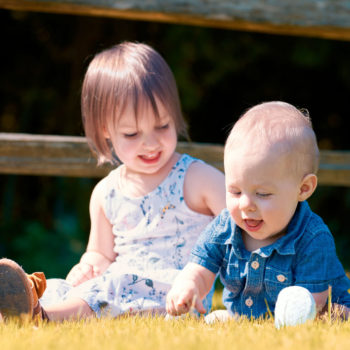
{"points": [[146, 214]]}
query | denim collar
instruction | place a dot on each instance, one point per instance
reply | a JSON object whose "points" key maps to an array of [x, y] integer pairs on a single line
{"points": [[284, 245]]}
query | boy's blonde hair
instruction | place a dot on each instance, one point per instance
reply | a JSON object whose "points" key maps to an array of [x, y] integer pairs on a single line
{"points": [[282, 126], [126, 73]]}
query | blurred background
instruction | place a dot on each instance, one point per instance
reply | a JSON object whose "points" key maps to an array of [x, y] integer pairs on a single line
{"points": [[44, 221]]}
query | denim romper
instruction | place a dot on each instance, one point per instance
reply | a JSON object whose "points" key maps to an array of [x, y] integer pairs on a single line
{"points": [[305, 256]]}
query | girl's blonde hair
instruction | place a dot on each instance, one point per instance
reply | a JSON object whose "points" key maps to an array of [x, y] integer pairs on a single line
{"points": [[126, 73]]}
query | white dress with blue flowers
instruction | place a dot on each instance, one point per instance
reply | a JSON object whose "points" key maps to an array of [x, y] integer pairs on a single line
{"points": [[154, 236]]}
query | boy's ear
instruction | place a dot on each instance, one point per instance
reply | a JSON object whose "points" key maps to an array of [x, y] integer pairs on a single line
{"points": [[307, 187]]}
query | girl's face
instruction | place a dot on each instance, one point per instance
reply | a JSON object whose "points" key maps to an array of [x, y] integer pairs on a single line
{"points": [[262, 194], [146, 144]]}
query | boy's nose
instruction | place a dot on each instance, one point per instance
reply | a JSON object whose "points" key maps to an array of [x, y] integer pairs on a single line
{"points": [[246, 203]]}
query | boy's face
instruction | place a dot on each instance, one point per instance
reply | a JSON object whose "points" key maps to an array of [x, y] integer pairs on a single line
{"points": [[262, 192]]}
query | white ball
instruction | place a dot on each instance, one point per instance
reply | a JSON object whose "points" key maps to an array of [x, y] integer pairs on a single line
{"points": [[295, 305], [217, 316]]}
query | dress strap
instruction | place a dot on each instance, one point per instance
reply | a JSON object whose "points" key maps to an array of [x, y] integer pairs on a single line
{"points": [[177, 174]]}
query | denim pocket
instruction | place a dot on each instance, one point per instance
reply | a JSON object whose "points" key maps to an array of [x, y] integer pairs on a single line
{"points": [[230, 277], [275, 281]]}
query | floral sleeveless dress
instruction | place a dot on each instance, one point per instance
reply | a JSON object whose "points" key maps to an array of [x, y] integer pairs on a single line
{"points": [[154, 236]]}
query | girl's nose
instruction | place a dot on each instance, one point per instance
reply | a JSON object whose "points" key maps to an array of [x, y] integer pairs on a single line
{"points": [[246, 203], [150, 141]]}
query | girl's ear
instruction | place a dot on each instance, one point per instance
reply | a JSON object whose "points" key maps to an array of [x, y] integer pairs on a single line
{"points": [[307, 187], [105, 132]]}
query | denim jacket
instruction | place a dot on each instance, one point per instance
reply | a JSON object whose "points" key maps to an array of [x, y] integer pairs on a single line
{"points": [[305, 256]]}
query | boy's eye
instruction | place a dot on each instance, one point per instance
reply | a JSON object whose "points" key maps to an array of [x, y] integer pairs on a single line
{"points": [[264, 195], [235, 193]]}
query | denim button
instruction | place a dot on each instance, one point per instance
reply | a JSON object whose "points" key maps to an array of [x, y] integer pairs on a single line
{"points": [[255, 265], [249, 302], [281, 278]]}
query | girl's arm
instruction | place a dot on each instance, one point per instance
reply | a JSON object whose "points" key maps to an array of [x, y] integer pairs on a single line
{"points": [[99, 253], [204, 189], [190, 287]]}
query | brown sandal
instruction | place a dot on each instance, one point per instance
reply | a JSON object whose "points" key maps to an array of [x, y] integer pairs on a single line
{"points": [[16, 297], [19, 292]]}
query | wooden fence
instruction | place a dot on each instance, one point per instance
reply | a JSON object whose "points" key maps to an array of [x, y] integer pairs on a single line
{"points": [[70, 156], [318, 18]]}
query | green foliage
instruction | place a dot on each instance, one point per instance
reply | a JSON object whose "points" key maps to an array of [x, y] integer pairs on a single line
{"points": [[48, 230]]}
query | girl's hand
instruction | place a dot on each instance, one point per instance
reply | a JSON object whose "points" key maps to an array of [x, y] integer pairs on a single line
{"points": [[80, 273], [92, 264]]}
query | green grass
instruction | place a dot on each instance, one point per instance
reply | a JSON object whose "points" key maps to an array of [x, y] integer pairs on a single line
{"points": [[150, 333]]}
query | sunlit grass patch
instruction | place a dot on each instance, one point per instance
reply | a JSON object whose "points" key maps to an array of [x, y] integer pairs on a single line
{"points": [[148, 333]]}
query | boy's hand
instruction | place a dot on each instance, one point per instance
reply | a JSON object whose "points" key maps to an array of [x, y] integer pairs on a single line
{"points": [[189, 287], [182, 297]]}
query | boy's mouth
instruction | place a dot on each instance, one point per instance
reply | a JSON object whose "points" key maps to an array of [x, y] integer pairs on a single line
{"points": [[253, 225]]}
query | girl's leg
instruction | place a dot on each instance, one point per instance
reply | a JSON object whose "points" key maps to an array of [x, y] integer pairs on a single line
{"points": [[70, 309]]}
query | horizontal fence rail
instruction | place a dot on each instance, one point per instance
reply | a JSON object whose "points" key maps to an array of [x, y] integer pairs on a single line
{"points": [[317, 18], [28, 154]]}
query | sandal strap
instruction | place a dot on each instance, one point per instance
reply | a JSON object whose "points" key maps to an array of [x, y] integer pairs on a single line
{"points": [[40, 313]]}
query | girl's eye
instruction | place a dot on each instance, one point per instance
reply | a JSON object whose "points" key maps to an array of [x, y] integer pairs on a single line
{"points": [[163, 127], [130, 135]]}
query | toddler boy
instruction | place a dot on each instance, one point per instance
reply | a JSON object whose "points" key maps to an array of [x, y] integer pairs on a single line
{"points": [[267, 238]]}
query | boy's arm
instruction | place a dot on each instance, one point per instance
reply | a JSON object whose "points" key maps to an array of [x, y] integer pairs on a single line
{"points": [[99, 253], [194, 282], [189, 289], [318, 267]]}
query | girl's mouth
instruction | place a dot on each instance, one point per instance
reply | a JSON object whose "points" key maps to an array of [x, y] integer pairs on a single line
{"points": [[253, 225], [150, 158]]}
